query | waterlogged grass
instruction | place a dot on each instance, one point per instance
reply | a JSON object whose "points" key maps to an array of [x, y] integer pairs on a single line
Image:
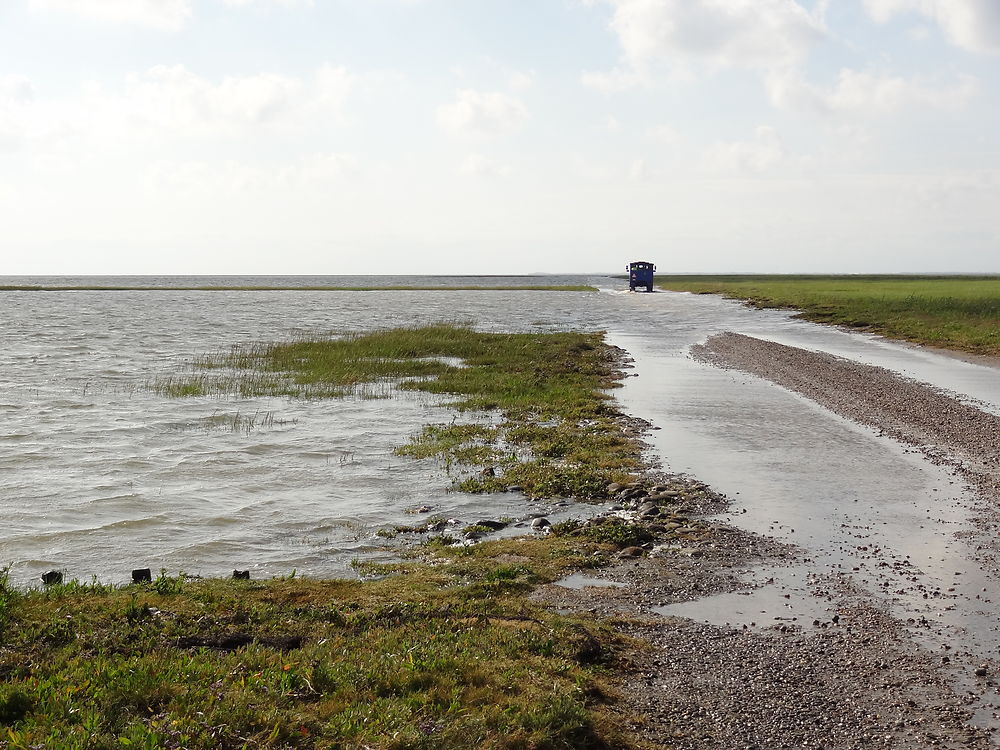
{"points": [[953, 312], [395, 288], [446, 653], [557, 432]]}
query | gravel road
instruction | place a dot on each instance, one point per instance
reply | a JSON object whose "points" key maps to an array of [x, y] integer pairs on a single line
{"points": [[855, 677]]}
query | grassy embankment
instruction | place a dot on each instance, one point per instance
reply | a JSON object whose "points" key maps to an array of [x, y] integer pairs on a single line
{"points": [[442, 652], [952, 312], [398, 288]]}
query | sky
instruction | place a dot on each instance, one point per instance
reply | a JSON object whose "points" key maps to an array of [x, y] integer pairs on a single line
{"points": [[499, 136]]}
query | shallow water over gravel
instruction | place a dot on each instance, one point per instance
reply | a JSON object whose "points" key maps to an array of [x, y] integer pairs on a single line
{"points": [[861, 507], [99, 475]]}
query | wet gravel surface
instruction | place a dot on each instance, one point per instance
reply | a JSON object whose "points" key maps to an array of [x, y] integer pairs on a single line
{"points": [[851, 679], [945, 429], [909, 411], [853, 676]]}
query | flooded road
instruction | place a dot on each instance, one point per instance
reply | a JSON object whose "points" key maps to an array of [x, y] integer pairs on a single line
{"points": [[863, 509]]}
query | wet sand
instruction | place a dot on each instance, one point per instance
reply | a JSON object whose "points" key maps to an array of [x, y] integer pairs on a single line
{"points": [[757, 644]]}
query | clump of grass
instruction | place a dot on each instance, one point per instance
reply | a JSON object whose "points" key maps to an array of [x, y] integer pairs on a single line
{"points": [[423, 657], [556, 432], [8, 599], [953, 312]]}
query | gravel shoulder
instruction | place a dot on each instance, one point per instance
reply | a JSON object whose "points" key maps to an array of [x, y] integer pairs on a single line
{"points": [[854, 677]]}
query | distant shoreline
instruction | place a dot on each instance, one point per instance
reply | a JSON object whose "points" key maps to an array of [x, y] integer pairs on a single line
{"points": [[326, 288]]}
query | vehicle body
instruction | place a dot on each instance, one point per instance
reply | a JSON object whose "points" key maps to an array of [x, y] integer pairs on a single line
{"points": [[640, 273]]}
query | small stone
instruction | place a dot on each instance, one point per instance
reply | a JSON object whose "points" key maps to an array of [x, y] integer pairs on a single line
{"points": [[982, 670], [540, 523], [241, 575], [615, 488], [515, 488], [665, 495], [493, 525], [52, 578], [632, 552]]}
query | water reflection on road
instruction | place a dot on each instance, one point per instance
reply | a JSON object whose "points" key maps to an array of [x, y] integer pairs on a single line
{"points": [[861, 507]]}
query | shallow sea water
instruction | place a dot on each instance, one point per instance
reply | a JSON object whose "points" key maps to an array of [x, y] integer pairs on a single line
{"points": [[98, 475]]}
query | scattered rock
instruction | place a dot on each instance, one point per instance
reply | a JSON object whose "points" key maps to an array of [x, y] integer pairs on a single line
{"points": [[492, 525]]}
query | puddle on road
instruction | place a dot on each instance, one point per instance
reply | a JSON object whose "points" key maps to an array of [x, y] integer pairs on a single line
{"points": [[579, 581], [857, 505], [780, 597]]}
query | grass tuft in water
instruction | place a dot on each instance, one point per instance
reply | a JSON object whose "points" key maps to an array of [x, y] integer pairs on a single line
{"points": [[556, 433]]}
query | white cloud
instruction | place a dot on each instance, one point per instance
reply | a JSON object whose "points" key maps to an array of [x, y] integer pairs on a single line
{"points": [[322, 167], [163, 15], [167, 15], [613, 81], [721, 32], [167, 107], [16, 89], [477, 165], [235, 178], [478, 113], [638, 170], [611, 124], [864, 92], [240, 3], [172, 97], [665, 135], [522, 80], [762, 153], [971, 24], [16, 95]]}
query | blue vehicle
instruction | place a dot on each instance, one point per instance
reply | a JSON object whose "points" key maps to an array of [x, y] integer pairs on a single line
{"points": [[640, 273]]}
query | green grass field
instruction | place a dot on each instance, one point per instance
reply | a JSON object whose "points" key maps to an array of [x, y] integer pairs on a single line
{"points": [[422, 658], [952, 312]]}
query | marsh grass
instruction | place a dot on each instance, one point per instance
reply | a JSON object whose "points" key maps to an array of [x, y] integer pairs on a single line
{"points": [[953, 312], [446, 653], [556, 432]]}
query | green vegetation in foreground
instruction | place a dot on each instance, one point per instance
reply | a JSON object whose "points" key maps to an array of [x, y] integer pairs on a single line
{"points": [[953, 312], [446, 653], [499, 288], [557, 434]]}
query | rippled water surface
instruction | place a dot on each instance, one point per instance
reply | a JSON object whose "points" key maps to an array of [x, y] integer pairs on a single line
{"points": [[99, 475]]}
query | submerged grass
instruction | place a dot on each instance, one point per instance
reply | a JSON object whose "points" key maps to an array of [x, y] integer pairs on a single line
{"points": [[953, 312], [557, 433], [444, 653]]}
